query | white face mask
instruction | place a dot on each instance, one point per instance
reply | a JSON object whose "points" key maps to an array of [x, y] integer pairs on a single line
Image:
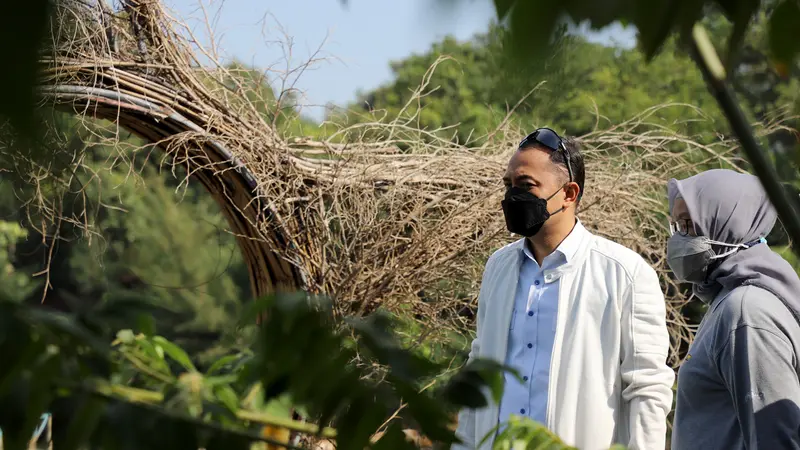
{"points": [[690, 256]]}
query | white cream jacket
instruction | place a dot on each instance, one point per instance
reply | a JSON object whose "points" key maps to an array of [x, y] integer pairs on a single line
{"points": [[609, 380]]}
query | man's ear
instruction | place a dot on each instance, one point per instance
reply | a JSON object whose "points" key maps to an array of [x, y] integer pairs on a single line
{"points": [[572, 191]]}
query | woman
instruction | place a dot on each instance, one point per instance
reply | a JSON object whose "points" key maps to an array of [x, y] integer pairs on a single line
{"points": [[738, 386]]}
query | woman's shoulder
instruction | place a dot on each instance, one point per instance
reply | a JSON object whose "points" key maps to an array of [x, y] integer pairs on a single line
{"points": [[755, 307]]}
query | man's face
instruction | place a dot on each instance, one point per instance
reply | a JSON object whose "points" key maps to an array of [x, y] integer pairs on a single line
{"points": [[532, 170]]}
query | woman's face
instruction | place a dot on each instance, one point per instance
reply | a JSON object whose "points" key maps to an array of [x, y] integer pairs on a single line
{"points": [[680, 220]]}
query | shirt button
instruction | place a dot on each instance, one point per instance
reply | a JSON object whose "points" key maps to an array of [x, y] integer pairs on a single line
{"points": [[525, 378], [536, 282], [530, 313], [522, 411], [530, 345]]}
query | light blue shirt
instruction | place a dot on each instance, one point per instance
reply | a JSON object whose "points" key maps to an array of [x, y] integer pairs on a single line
{"points": [[532, 331]]}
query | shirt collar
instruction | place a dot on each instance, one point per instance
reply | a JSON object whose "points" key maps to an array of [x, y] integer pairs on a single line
{"points": [[568, 247]]}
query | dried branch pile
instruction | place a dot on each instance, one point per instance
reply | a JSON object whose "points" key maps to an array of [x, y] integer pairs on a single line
{"points": [[362, 220]]}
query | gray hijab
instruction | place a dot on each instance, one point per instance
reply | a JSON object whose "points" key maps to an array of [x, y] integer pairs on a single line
{"points": [[732, 207]]}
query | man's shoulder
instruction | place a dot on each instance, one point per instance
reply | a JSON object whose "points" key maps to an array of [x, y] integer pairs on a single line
{"points": [[505, 252], [616, 254]]}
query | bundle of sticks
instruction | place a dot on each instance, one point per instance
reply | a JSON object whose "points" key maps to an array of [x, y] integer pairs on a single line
{"points": [[380, 214]]}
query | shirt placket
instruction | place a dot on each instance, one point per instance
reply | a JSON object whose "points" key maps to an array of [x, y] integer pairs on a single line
{"points": [[541, 368], [531, 333]]}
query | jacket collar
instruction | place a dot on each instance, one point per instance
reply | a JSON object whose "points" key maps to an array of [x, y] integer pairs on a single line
{"points": [[566, 250], [580, 246]]}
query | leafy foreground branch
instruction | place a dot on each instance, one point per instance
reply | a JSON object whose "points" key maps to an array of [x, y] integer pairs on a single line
{"points": [[523, 434], [144, 392], [709, 63]]}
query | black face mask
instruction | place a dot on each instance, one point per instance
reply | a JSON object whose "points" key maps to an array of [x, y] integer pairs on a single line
{"points": [[525, 213]]}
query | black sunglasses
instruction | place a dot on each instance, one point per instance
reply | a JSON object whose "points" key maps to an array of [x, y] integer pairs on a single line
{"points": [[550, 139]]}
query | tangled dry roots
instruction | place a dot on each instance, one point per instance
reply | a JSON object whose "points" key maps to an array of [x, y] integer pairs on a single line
{"points": [[355, 218]]}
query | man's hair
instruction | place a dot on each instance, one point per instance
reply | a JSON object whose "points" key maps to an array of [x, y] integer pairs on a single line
{"points": [[576, 162]]}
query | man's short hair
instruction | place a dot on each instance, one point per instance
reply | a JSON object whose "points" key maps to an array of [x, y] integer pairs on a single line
{"points": [[576, 162]]}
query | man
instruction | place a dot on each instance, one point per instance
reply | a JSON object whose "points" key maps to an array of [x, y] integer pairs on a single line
{"points": [[581, 318], [738, 387]]}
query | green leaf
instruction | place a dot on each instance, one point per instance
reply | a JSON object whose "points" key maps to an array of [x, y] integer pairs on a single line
{"points": [[783, 31], [522, 432], [146, 324], [503, 7], [62, 323], [464, 389], [657, 20], [227, 396], [491, 434], [740, 12], [430, 415], [152, 351], [492, 374], [393, 439], [654, 22], [376, 336], [176, 353], [221, 363], [528, 41], [253, 310]]}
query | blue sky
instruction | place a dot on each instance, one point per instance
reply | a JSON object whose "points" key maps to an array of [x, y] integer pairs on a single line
{"points": [[354, 43]]}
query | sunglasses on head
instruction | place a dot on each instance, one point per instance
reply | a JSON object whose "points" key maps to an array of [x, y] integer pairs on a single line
{"points": [[550, 139]]}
